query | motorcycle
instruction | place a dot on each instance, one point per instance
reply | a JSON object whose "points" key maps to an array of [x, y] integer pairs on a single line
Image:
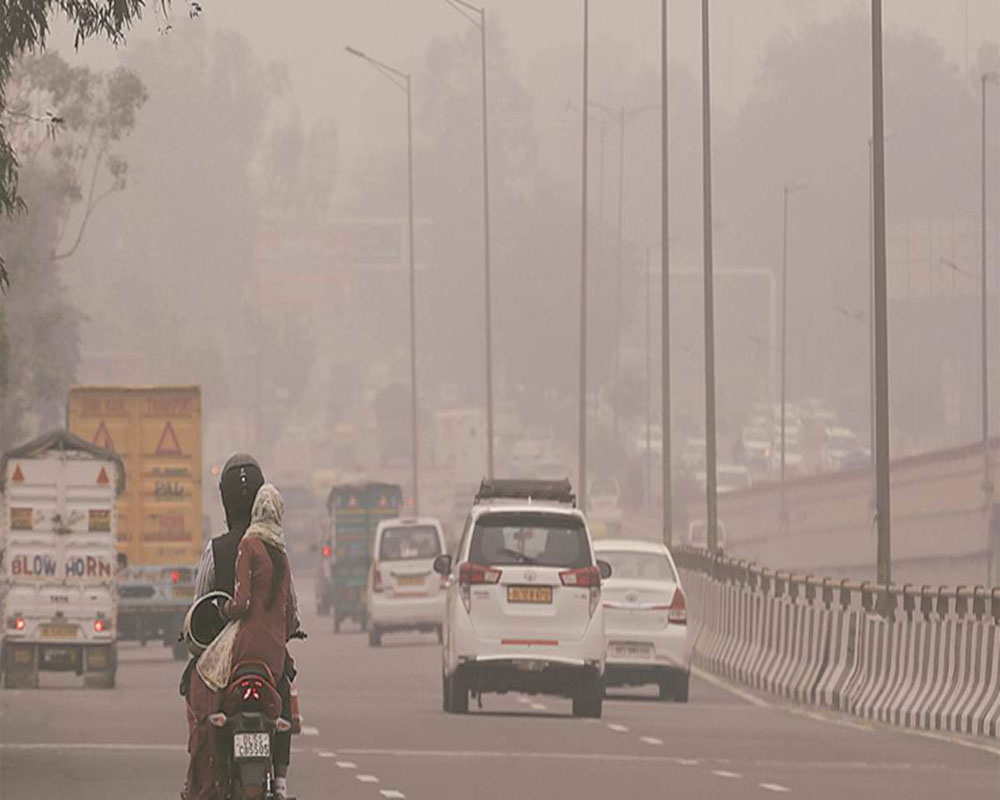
{"points": [[247, 722]]}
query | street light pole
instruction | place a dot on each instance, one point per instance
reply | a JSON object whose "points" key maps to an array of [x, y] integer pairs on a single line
{"points": [[582, 467], [788, 189], [710, 437], [665, 280], [477, 16], [882, 493], [402, 81], [648, 483], [987, 77]]}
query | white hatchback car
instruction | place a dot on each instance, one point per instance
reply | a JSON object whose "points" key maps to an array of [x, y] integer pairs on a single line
{"points": [[523, 610], [645, 618], [404, 592]]}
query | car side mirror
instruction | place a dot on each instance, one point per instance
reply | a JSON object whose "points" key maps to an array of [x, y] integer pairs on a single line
{"points": [[442, 565], [605, 569]]}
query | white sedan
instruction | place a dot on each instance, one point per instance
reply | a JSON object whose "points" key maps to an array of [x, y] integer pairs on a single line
{"points": [[645, 618]]}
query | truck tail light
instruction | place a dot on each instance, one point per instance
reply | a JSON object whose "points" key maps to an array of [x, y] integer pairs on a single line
{"points": [[326, 551], [175, 576], [678, 609], [376, 581], [19, 624], [99, 625], [470, 574]]}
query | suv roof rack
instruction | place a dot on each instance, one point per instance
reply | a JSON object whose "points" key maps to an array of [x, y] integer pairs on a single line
{"points": [[559, 491]]}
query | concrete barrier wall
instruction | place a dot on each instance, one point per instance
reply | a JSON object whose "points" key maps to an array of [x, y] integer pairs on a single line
{"points": [[931, 663], [940, 521]]}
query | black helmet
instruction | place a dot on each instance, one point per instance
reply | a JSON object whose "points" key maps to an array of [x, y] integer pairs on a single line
{"points": [[239, 481]]}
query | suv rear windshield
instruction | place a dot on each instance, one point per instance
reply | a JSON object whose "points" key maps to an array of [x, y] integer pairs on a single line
{"points": [[539, 539], [412, 541]]}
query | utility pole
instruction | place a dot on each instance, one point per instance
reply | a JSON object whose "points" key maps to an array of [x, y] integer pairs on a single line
{"points": [[582, 468], [789, 188], [648, 483], [711, 486], [882, 494], [664, 281], [987, 77]]}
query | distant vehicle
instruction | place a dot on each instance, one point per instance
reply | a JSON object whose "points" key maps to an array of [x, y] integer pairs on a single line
{"points": [[604, 507], [729, 478], [693, 456], [840, 448], [58, 531], [756, 444], [156, 430], [404, 592], [638, 442], [793, 456], [523, 607], [697, 534], [355, 512], [645, 619]]}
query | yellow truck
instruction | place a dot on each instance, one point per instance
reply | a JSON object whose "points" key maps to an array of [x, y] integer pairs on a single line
{"points": [[156, 431]]}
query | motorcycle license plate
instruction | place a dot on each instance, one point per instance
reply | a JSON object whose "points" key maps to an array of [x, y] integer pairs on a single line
{"points": [[251, 745]]}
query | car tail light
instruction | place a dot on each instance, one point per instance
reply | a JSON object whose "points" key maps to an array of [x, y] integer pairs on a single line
{"points": [[376, 581], [678, 609], [19, 624], [469, 574], [99, 625], [326, 551], [587, 576]]}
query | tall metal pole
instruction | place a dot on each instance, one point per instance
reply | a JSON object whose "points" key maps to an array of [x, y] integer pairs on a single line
{"points": [[882, 499], [490, 463], [784, 345], [618, 271], [665, 279], [413, 301], [871, 316], [987, 485], [582, 470], [648, 484], [706, 127]]}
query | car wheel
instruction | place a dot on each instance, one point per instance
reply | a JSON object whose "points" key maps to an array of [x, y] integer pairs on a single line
{"points": [[589, 699], [458, 693], [445, 694], [674, 686], [374, 637]]}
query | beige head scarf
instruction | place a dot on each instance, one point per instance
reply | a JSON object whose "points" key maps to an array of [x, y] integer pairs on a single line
{"points": [[265, 520]]}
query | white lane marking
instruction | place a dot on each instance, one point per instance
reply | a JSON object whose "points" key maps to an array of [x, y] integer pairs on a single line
{"points": [[309, 730], [325, 754], [347, 765], [367, 778], [727, 686], [614, 726], [724, 774], [651, 740], [687, 762], [391, 793], [523, 699], [774, 787], [539, 706]]}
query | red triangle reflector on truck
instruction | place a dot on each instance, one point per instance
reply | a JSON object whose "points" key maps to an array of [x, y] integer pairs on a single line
{"points": [[102, 477], [18, 476]]}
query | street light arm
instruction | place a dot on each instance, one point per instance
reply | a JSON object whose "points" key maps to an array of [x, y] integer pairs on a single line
{"points": [[473, 14], [391, 73]]}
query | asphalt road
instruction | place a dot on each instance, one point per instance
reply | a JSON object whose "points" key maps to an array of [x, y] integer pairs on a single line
{"points": [[375, 729]]}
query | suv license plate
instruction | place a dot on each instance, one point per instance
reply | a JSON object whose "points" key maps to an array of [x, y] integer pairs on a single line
{"points": [[251, 745], [529, 594]]}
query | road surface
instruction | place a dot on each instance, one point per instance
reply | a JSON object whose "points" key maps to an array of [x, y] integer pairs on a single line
{"points": [[375, 729]]}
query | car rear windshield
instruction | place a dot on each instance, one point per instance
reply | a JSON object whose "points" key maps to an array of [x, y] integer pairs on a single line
{"points": [[539, 539], [412, 541], [642, 566]]}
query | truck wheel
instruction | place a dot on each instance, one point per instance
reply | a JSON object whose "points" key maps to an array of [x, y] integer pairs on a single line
{"points": [[336, 623], [99, 680], [445, 694], [589, 698], [374, 637], [363, 621], [20, 679]]}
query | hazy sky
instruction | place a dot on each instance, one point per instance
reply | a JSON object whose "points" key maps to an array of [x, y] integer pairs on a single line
{"points": [[309, 36]]}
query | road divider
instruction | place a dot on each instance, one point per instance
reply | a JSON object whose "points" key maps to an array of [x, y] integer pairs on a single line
{"points": [[916, 657]]}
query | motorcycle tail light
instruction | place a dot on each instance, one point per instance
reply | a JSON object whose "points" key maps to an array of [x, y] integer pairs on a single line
{"points": [[282, 725], [217, 719]]}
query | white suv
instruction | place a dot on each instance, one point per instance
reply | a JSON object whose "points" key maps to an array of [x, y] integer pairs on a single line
{"points": [[523, 606], [404, 593]]}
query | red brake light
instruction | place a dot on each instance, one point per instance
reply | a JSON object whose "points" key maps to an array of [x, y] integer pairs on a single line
{"points": [[99, 625], [175, 576], [326, 551], [678, 609], [585, 577], [376, 580], [475, 573], [19, 624]]}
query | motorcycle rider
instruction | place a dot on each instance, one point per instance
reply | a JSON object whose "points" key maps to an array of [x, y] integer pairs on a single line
{"points": [[239, 482]]}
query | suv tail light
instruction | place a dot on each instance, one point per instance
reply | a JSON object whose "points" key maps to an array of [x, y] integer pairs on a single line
{"points": [[678, 609], [586, 578], [469, 574], [376, 581]]}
